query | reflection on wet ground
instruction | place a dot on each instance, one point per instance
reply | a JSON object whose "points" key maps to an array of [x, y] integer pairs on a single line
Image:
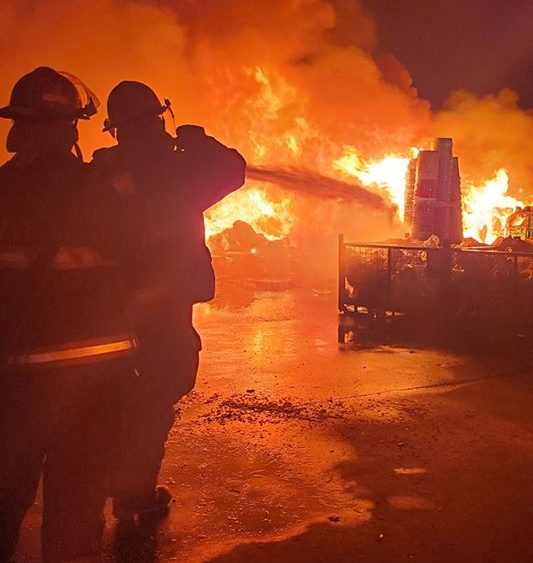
{"points": [[360, 331], [291, 449]]}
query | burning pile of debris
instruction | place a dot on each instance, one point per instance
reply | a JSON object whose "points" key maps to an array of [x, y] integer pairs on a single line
{"points": [[290, 86], [243, 256], [265, 248]]}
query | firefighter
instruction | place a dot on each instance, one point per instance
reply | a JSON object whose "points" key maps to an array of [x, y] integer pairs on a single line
{"points": [[166, 184], [65, 346]]}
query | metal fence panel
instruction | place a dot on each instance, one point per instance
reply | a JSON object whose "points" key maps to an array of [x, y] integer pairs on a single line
{"points": [[477, 284]]}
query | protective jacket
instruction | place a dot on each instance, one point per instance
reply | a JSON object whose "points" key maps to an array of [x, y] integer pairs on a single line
{"points": [[165, 187], [60, 285]]}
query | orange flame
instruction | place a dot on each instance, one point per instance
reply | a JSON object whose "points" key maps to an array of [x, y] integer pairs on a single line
{"points": [[487, 207], [272, 219], [388, 174]]}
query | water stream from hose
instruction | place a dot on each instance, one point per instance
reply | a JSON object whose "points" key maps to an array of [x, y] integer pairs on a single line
{"points": [[314, 184]]}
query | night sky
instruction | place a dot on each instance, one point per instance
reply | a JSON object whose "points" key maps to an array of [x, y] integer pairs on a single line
{"points": [[480, 45]]}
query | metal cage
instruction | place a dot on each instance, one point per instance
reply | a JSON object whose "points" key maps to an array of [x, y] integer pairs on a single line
{"points": [[471, 284]]}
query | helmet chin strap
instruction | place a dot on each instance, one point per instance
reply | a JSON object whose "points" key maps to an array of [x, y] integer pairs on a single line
{"points": [[11, 141], [77, 152], [168, 107], [111, 130]]}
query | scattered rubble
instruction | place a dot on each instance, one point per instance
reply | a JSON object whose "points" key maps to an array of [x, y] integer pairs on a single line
{"points": [[251, 407]]}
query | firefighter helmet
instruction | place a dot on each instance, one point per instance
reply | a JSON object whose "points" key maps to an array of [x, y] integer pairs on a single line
{"points": [[130, 100], [46, 93]]}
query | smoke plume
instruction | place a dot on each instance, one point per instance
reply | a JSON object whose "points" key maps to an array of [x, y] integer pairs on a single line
{"points": [[290, 84], [251, 72], [489, 133]]}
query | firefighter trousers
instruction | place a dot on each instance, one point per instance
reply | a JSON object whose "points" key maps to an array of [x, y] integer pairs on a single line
{"points": [[167, 373], [60, 424]]}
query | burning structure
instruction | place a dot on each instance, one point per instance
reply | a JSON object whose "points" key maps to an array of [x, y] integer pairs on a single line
{"points": [[433, 194]]}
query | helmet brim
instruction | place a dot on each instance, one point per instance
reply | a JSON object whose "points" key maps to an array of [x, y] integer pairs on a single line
{"points": [[17, 112], [12, 112]]}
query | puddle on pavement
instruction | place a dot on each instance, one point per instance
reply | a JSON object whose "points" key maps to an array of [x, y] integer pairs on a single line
{"points": [[411, 503], [238, 483]]}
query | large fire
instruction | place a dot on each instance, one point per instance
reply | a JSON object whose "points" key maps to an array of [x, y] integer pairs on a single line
{"points": [[486, 205], [289, 87]]}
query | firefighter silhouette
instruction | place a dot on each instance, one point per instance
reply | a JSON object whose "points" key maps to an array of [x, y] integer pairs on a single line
{"points": [[64, 340], [165, 184]]}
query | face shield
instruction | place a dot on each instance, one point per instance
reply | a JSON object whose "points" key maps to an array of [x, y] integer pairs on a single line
{"points": [[89, 102]]}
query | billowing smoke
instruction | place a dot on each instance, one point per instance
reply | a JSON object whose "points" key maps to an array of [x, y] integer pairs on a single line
{"points": [[489, 133], [288, 83], [253, 73]]}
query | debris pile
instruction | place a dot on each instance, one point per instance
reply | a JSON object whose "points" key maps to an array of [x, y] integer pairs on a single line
{"points": [[251, 407]]}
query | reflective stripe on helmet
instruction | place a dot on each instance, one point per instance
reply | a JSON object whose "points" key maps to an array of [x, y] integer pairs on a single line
{"points": [[89, 350], [55, 98]]}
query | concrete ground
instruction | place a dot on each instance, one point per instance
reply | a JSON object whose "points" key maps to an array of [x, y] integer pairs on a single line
{"points": [[292, 449]]}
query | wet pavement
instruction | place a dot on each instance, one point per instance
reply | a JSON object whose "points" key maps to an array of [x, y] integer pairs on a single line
{"points": [[294, 449]]}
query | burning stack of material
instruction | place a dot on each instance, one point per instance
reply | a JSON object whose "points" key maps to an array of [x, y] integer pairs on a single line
{"points": [[433, 195]]}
